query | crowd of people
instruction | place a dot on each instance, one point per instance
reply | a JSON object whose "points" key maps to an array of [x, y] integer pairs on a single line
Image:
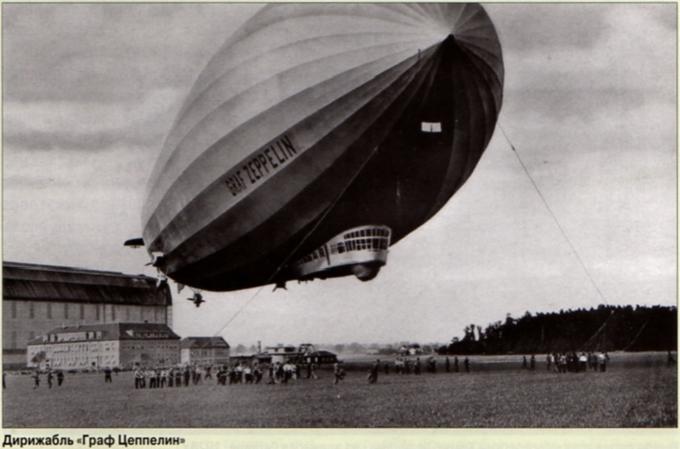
{"points": [[572, 362], [285, 372], [404, 365], [239, 373], [50, 376]]}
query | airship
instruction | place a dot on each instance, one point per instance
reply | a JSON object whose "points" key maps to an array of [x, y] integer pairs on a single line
{"points": [[318, 136]]}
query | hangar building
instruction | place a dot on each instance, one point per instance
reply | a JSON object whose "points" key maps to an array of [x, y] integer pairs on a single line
{"points": [[40, 298]]}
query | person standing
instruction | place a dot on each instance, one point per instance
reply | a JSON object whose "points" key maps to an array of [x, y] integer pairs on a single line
{"points": [[270, 375], [466, 362], [524, 362], [373, 374], [548, 362], [532, 362], [60, 378], [164, 378], [602, 361], [49, 379], [338, 373], [107, 375], [562, 363], [455, 364], [138, 378], [36, 379], [187, 376], [447, 364], [416, 368]]}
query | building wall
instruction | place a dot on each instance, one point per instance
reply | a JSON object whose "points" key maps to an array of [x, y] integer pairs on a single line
{"points": [[185, 356], [75, 355], [205, 356], [151, 353], [108, 353], [23, 320]]}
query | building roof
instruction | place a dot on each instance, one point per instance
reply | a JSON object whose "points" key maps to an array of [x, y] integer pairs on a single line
{"points": [[32, 282], [203, 343], [111, 331], [322, 354]]}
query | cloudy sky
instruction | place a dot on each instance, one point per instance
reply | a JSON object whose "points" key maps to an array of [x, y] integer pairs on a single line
{"points": [[90, 91]]}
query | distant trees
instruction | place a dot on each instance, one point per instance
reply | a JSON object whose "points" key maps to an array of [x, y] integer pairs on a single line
{"points": [[603, 328]]}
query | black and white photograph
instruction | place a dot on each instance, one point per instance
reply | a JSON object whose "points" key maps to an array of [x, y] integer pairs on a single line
{"points": [[339, 215]]}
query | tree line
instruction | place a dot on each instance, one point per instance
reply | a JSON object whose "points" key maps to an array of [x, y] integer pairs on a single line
{"points": [[605, 328]]}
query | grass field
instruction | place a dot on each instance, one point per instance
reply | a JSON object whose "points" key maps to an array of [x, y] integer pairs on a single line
{"points": [[638, 390]]}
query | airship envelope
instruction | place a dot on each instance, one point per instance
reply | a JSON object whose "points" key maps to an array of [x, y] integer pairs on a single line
{"points": [[319, 135]]}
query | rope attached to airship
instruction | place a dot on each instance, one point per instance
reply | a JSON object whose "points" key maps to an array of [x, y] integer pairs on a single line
{"points": [[563, 232], [302, 241], [552, 214]]}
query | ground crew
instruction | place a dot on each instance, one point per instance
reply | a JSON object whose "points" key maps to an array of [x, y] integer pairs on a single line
{"points": [[338, 373], [373, 375], [139, 378]]}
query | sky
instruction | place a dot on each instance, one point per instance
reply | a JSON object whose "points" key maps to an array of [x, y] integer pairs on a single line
{"points": [[90, 92]]}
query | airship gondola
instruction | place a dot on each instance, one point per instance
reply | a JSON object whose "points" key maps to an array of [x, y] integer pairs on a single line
{"points": [[319, 135]]}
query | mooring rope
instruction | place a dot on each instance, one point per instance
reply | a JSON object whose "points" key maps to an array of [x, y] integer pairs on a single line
{"points": [[554, 216], [302, 241]]}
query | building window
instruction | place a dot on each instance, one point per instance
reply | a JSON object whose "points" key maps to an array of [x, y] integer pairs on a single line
{"points": [[66, 310], [31, 310], [49, 310], [82, 311], [14, 309]]}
